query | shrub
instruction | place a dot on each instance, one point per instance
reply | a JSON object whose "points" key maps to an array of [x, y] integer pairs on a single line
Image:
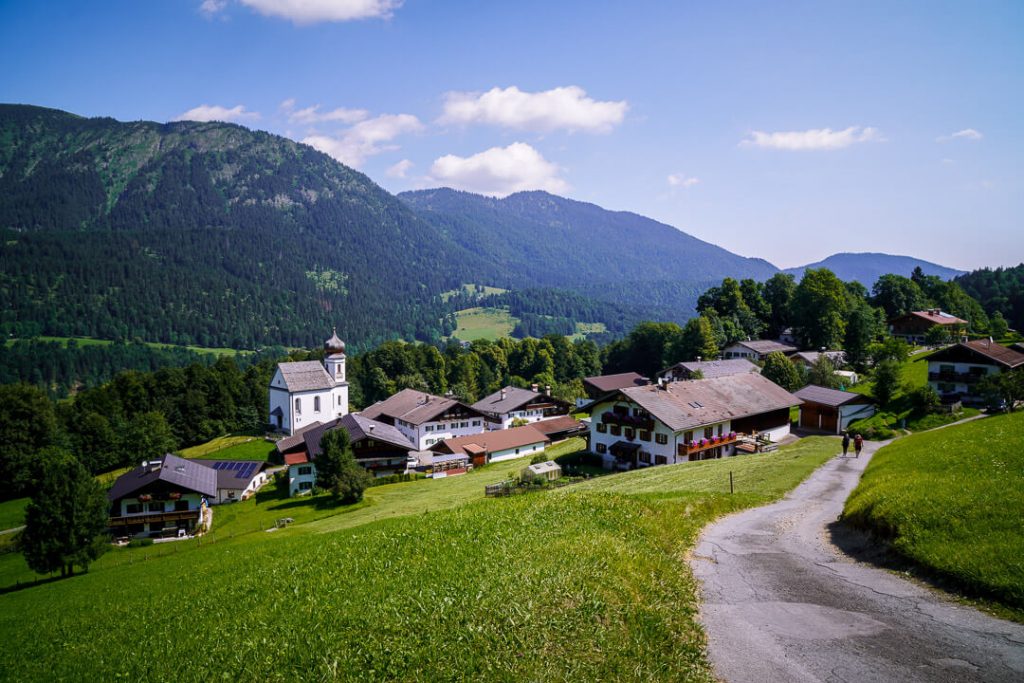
{"points": [[924, 399], [140, 542]]}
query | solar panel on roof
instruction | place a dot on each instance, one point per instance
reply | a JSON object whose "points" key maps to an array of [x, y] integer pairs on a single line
{"points": [[218, 465]]}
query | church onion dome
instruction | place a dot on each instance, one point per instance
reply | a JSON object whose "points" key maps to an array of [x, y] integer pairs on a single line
{"points": [[334, 345]]}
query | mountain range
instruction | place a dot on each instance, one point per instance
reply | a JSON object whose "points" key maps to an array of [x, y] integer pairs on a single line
{"points": [[867, 267], [213, 234]]}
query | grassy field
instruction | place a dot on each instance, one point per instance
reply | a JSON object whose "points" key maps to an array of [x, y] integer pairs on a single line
{"points": [[89, 341], [231, 448], [471, 289], [953, 502], [588, 582], [483, 323], [12, 513]]}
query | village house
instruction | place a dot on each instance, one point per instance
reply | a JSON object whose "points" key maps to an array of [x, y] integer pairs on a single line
{"points": [[600, 385], [832, 410], [377, 446], [955, 371], [495, 446], [707, 369], [913, 327], [304, 392], [426, 419], [510, 404], [236, 479], [807, 359], [561, 428], [674, 422], [167, 497], [756, 350]]}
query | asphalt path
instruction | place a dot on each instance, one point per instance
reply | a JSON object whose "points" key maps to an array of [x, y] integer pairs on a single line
{"points": [[782, 601]]}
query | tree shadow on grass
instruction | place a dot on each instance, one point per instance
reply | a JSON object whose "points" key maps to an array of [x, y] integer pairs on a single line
{"points": [[31, 584]]}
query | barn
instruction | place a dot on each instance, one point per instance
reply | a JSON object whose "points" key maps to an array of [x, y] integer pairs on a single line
{"points": [[831, 410]]}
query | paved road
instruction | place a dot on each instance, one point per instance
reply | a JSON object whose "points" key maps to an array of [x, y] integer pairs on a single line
{"points": [[783, 603]]}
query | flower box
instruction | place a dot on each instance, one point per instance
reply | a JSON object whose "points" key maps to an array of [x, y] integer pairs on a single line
{"points": [[174, 496], [145, 498]]}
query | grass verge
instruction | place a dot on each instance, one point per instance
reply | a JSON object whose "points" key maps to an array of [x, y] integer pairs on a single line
{"points": [[951, 502]]}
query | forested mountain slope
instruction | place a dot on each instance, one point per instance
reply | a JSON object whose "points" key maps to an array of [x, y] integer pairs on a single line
{"points": [[866, 268], [205, 233]]}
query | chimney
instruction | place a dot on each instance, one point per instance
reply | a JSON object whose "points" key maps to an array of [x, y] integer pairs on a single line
{"points": [[547, 389], [698, 359], [534, 387], [504, 393], [371, 428]]}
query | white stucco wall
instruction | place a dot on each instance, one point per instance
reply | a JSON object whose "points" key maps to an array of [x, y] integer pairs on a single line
{"points": [[333, 404], [429, 433], [512, 453], [301, 478]]}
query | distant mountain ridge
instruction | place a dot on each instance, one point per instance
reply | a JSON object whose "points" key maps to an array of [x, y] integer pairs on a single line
{"points": [[867, 267]]}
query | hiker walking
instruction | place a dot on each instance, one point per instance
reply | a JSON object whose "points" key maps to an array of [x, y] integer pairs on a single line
{"points": [[858, 443], [846, 443]]}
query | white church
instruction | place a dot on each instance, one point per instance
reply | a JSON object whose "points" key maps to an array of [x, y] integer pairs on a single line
{"points": [[306, 392]]}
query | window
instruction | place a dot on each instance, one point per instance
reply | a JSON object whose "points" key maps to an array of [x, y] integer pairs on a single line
{"points": [[661, 438], [369, 443], [660, 460], [616, 430], [621, 410], [133, 508], [720, 429], [645, 457], [339, 400], [708, 432], [182, 505], [430, 442], [305, 485], [639, 412], [156, 507], [316, 404], [630, 433], [645, 435], [517, 451], [428, 428], [476, 423], [305, 470], [601, 448], [688, 437], [298, 406], [602, 427]]}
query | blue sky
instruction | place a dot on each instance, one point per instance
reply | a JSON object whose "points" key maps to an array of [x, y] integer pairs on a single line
{"points": [[788, 131]]}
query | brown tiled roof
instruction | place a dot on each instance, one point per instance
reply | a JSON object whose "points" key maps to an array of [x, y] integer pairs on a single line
{"points": [[812, 393], [414, 407], [359, 427], [514, 398], [692, 403], [613, 382], [996, 353], [489, 442], [934, 316], [716, 368], [557, 425], [188, 474]]}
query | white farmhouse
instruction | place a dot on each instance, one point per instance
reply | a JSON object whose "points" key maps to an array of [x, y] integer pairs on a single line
{"points": [[674, 422], [305, 392], [426, 419], [756, 350], [509, 404]]}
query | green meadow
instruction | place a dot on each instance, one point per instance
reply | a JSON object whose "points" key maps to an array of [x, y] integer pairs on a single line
{"points": [[90, 341], [425, 580], [483, 323], [952, 501]]}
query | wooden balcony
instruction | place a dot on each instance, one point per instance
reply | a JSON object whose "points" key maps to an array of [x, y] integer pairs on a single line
{"points": [[705, 444], [149, 518]]}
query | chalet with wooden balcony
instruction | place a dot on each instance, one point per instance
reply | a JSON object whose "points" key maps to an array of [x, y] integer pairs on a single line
{"points": [[913, 327], [955, 371], [673, 422], [509, 405], [426, 419], [167, 497]]}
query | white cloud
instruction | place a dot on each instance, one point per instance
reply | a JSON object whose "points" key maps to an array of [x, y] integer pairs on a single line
{"points": [[681, 180], [353, 145], [211, 7], [213, 112], [316, 11], [499, 171], [400, 169], [311, 115], [566, 108], [965, 134], [813, 139]]}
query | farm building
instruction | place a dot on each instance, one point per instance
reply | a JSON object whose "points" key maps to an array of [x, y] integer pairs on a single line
{"points": [[708, 369], [954, 372], [832, 410], [236, 479], [602, 384], [161, 498], [305, 392], [549, 470], [426, 419], [808, 358], [756, 350], [913, 327], [496, 446], [511, 404], [698, 419], [379, 447], [561, 428]]}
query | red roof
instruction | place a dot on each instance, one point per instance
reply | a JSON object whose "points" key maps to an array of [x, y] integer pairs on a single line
{"points": [[295, 458], [934, 316]]}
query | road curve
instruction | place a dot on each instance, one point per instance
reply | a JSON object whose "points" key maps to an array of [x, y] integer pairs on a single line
{"points": [[782, 603]]}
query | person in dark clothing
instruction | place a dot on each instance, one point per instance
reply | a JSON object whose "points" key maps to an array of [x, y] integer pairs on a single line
{"points": [[858, 443], [846, 443]]}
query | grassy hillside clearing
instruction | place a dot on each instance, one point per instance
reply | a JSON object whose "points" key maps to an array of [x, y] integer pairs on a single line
{"points": [[89, 341], [471, 290], [953, 502], [584, 583], [483, 323]]}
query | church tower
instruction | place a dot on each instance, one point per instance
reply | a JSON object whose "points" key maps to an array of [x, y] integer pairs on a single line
{"points": [[334, 363]]}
